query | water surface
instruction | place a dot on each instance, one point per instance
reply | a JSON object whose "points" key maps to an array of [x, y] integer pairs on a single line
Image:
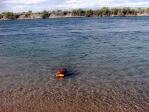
{"points": [[109, 58]]}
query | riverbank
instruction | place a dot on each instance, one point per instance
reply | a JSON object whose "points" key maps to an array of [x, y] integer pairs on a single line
{"points": [[55, 17], [46, 18], [76, 13]]}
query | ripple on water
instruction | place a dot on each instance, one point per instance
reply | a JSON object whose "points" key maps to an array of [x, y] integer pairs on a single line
{"points": [[107, 59]]}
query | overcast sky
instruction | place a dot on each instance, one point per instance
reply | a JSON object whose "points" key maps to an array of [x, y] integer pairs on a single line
{"points": [[39, 5]]}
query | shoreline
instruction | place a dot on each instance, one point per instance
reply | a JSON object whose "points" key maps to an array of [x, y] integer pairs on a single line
{"points": [[56, 17], [101, 12]]}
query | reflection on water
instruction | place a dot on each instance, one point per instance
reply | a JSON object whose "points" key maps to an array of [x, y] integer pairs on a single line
{"points": [[108, 58]]}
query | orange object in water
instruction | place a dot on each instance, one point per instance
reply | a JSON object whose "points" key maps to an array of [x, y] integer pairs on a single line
{"points": [[60, 74]]}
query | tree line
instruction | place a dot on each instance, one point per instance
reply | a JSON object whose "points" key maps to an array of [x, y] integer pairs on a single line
{"points": [[105, 11]]}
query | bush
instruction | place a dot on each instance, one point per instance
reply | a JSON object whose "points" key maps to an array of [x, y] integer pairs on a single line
{"points": [[1, 16], [28, 14], [97, 12], [65, 13], [105, 11], [9, 15], [147, 10], [17, 16], [114, 11], [45, 14], [89, 13], [78, 12]]}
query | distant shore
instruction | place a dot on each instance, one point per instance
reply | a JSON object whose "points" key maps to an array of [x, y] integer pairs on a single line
{"points": [[105, 11], [55, 17], [68, 17], [46, 18]]}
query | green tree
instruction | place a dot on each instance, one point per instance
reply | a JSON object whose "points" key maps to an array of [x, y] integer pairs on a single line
{"points": [[10, 15], [105, 11], [78, 12], [147, 10], [120, 13], [133, 12], [140, 10], [114, 11], [126, 11], [89, 13], [97, 12]]}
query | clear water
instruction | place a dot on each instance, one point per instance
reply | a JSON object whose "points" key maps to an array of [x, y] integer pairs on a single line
{"points": [[109, 58]]}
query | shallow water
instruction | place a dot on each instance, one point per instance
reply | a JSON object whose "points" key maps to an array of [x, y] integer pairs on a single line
{"points": [[108, 56]]}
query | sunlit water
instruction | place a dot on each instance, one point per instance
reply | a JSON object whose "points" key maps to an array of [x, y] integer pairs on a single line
{"points": [[108, 56]]}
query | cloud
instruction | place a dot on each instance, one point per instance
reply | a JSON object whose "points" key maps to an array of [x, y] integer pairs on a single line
{"points": [[103, 3], [71, 4], [23, 1], [38, 5]]}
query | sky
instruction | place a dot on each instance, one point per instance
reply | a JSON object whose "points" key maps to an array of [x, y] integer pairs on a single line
{"points": [[40, 5]]}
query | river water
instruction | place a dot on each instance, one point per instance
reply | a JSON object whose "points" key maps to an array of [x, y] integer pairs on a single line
{"points": [[108, 58]]}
